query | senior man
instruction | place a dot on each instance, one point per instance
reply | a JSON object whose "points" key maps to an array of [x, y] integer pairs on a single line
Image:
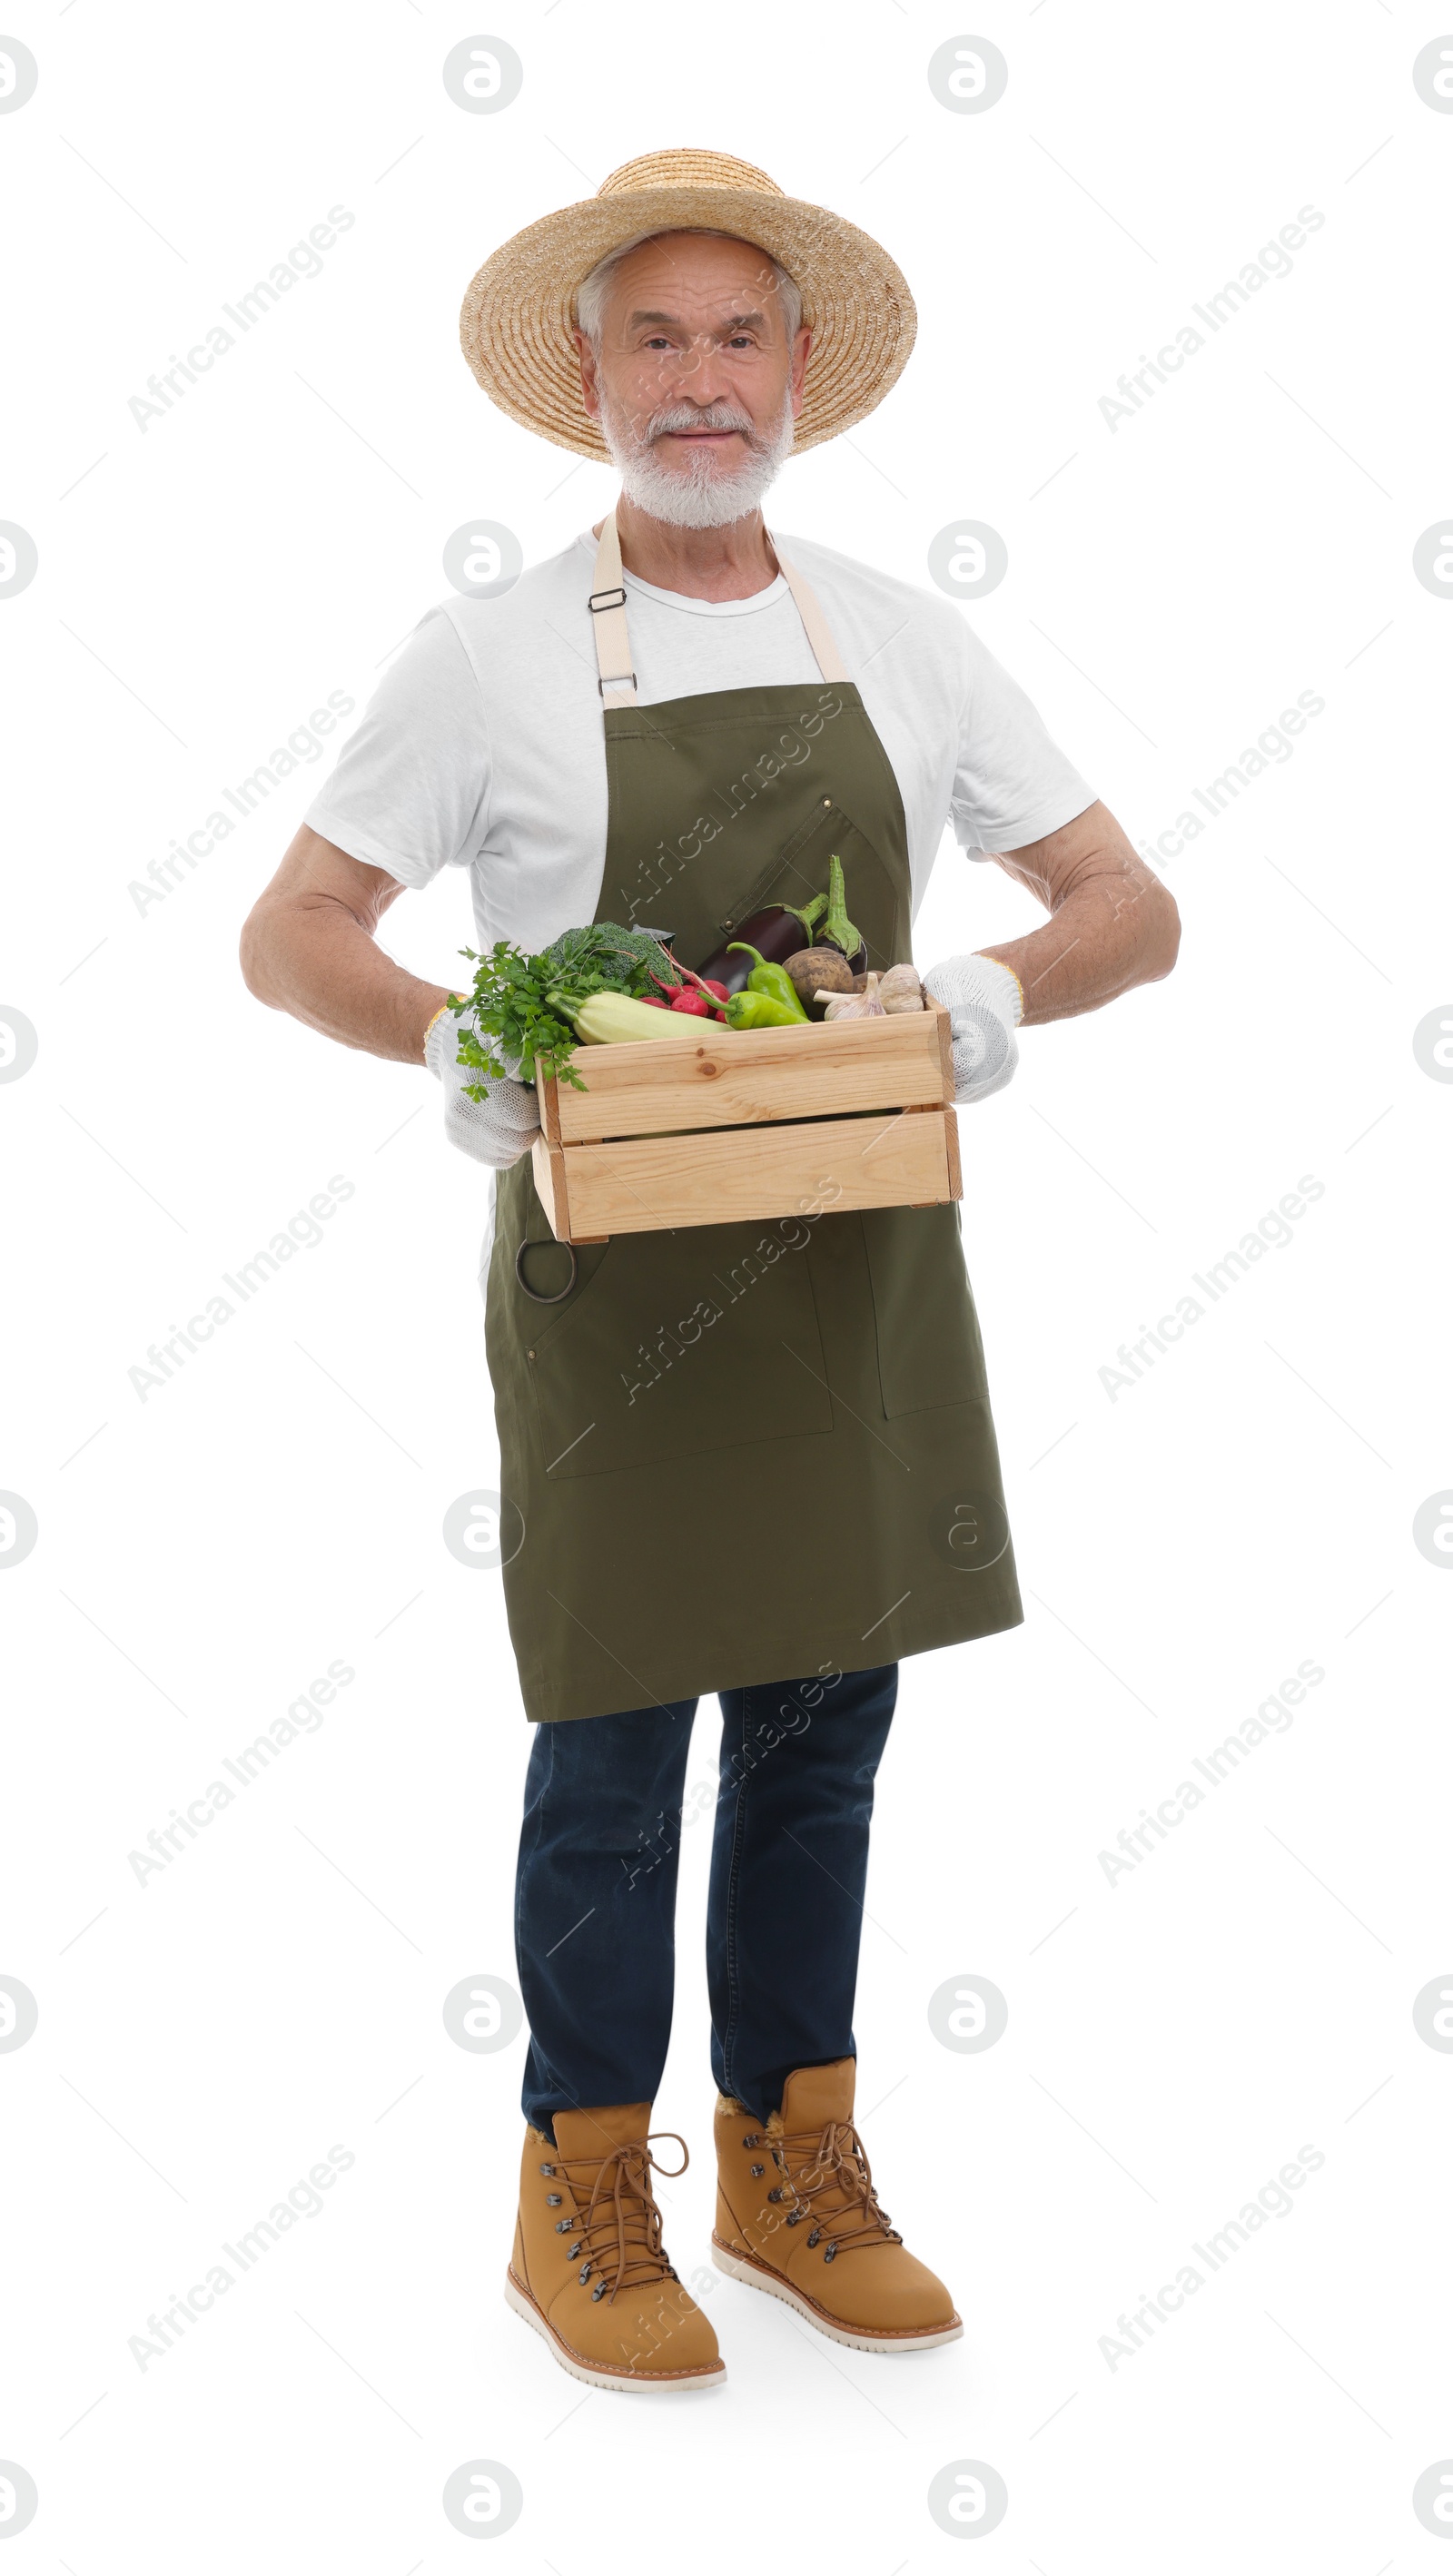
{"points": [[678, 719]]}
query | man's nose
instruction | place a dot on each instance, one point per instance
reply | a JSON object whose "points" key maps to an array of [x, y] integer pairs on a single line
{"points": [[699, 369]]}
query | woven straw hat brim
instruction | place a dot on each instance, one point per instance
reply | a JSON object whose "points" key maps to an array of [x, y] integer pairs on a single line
{"points": [[518, 315]]}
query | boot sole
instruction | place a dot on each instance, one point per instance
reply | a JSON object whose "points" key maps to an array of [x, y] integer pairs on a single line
{"points": [[632, 2383], [758, 2276]]}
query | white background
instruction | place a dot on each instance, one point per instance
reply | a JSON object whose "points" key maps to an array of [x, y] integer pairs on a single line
{"points": [[1173, 2038]]}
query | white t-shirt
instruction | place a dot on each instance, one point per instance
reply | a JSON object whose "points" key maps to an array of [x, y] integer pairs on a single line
{"points": [[483, 745]]}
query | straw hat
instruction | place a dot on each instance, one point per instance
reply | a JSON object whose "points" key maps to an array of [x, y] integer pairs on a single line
{"points": [[515, 327]]}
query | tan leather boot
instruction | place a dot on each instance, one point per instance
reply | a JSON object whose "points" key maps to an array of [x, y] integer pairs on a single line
{"points": [[797, 2214], [589, 2271]]}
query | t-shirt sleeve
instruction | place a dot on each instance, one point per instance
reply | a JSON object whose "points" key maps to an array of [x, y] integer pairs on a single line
{"points": [[410, 789], [1012, 783]]}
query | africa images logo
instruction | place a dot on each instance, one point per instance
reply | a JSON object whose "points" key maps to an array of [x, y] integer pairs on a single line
{"points": [[304, 260], [1273, 260]]}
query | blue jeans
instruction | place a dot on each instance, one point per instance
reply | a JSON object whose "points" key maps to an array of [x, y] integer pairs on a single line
{"points": [[595, 1897]]}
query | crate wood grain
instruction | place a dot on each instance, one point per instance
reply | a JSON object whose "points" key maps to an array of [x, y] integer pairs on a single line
{"points": [[737, 1077], [721, 1127], [727, 1175]]}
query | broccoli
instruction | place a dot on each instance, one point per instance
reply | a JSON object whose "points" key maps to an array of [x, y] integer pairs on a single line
{"points": [[615, 956]]}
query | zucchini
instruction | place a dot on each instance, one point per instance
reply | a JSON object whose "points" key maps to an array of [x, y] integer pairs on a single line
{"points": [[611, 1019]]}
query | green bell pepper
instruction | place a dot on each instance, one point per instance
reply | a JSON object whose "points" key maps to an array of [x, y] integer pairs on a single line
{"points": [[773, 982]]}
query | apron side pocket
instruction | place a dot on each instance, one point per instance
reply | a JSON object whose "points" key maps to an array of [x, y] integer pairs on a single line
{"points": [[703, 1340], [929, 1350]]}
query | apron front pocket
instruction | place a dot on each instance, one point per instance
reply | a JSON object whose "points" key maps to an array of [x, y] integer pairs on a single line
{"points": [[799, 871], [929, 1350], [702, 1340]]}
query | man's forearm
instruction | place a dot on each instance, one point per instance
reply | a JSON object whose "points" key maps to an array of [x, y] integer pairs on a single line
{"points": [[309, 948], [1113, 925], [328, 972]]}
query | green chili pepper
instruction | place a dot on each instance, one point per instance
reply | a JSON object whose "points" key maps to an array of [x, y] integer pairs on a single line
{"points": [[763, 1011], [773, 981]]}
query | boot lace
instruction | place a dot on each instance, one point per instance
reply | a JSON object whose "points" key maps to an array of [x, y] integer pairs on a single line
{"points": [[832, 2188], [618, 2230]]}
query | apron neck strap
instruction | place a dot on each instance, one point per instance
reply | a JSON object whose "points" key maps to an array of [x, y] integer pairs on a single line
{"points": [[612, 635], [608, 616], [814, 625]]}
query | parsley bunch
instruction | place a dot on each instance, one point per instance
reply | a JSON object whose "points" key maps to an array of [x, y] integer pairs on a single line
{"points": [[508, 1025]]}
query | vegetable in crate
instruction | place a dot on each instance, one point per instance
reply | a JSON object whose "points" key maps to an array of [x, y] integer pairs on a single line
{"points": [[900, 990], [836, 931], [625, 958], [614, 1019], [701, 999], [515, 1017], [777, 932], [815, 971], [763, 1011], [773, 981], [855, 1006]]}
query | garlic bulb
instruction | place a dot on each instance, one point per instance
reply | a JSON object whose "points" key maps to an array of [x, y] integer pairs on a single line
{"points": [[900, 989], [854, 1006]]}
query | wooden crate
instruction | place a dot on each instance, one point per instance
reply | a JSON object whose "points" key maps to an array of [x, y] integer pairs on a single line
{"points": [[742, 1124]]}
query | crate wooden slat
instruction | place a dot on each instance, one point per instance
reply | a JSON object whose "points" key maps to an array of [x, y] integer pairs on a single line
{"points": [[744, 1125], [638, 1184], [733, 1077]]}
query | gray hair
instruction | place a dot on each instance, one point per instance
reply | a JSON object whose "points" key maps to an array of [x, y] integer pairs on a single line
{"points": [[590, 300]]}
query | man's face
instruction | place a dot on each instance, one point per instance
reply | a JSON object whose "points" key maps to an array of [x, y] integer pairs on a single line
{"points": [[696, 381]]}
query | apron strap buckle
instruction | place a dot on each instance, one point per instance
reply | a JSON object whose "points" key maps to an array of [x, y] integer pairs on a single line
{"points": [[612, 644]]}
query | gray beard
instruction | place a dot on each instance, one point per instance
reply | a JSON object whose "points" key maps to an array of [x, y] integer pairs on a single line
{"points": [[706, 494]]}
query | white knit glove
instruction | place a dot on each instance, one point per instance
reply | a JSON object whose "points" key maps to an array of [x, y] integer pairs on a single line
{"points": [[496, 1130], [986, 1003]]}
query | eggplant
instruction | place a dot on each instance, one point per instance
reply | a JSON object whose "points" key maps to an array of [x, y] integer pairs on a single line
{"points": [[776, 932]]}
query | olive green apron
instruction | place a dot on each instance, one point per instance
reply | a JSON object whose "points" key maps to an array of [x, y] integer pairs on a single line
{"points": [[741, 1453]]}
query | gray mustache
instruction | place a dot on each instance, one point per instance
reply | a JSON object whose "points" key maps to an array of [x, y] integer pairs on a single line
{"points": [[693, 416]]}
